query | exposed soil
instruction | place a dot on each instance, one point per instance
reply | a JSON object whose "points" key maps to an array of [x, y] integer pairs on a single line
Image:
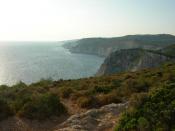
{"points": [[79, 119]]}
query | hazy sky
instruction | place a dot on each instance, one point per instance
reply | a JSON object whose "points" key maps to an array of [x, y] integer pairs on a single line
{"points": [[71, 19]]}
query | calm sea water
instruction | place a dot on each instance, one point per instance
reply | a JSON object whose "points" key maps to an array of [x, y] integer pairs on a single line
{"points": [[30, 62]]}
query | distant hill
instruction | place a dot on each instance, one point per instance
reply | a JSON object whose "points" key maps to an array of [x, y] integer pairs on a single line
{"points": [[132, 60], [105, 46], [69, 43]]}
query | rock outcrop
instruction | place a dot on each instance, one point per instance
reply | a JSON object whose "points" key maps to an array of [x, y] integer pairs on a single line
{"points": [[132, 60], [101, 119]]}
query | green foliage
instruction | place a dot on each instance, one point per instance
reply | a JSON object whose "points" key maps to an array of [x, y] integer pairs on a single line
{"points": [[143, 124], [86, 102], [156, 112], [135, 85], [65, 92], [5, 110], [19, 102], [43, 83], [170, 50], [112, 97], [102, 89], [20, 84], [42, 107], [138, 99]]}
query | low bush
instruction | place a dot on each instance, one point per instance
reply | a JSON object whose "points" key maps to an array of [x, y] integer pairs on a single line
{"points": [[87, 102], [20, 84], [42, 107], [137, 99], [65, 92], [102, 89], [76, 95], [111, 97], [5, 110], [42, 83], [156, 112]]}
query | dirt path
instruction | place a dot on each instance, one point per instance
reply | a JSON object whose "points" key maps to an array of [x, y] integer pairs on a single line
{"points": [[73, 108], [18, 124]]}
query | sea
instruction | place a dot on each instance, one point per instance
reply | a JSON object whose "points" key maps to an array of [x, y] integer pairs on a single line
{"points": [[30, 62]]}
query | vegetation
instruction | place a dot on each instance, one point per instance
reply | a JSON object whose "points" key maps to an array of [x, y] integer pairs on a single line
{"points": [[150, 92], [170, 50], [65, 92], [42, 106], [154, 111], [33, 101], [5, 110]]}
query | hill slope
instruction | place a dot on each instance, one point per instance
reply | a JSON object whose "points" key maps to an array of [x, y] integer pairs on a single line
{"points": [[104, 46], [169, 50], [45, 100]]}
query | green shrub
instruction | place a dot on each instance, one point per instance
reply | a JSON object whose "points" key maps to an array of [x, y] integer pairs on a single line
{"points": [[116, 83], [102, 89], [131, 86], [5, 110], [143, 124], [42, 83], [109, 98], [20, 84], [65, 92], [156, 112], [86, 102], [137, 99], [76, 95], [42, 107], [19, 102]]}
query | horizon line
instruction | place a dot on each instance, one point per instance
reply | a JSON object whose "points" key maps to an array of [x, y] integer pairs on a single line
{"points": [[85, 38]]}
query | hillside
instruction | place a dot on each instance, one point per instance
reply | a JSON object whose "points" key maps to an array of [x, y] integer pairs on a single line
{"points": [[53, 105], [169, 50], [132, 60], [104, 46]]}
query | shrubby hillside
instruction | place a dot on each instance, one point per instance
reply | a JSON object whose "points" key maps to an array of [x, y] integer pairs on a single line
{"points": [[169, 50], [150, 93], [151, 111]]}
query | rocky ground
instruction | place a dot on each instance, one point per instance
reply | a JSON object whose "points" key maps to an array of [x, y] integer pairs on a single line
{"points": [[102, 119]]}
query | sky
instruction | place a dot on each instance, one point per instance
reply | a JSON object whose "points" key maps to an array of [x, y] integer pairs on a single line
{"points": [[57, 20]]}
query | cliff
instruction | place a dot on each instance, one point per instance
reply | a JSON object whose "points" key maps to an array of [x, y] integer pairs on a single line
{"points": [[131, 60], [105, 46]]}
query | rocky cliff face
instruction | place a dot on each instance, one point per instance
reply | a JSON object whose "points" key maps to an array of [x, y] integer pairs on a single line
{"points": [[104, 46], [131, 60]]}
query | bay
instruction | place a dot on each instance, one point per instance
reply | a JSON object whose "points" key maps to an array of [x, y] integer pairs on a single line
{"points": [[32, 61]]}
